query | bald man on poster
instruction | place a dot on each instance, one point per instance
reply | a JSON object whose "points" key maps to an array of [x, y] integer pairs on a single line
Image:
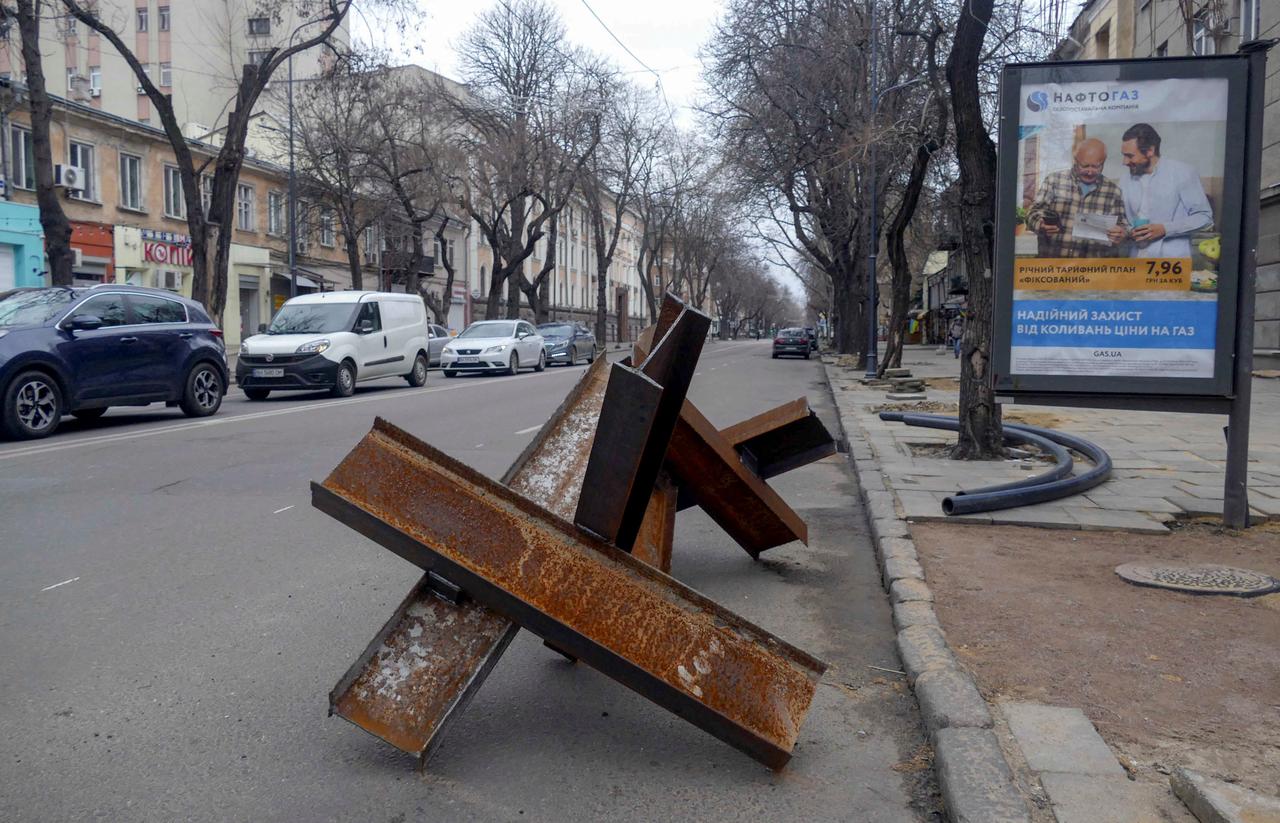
{"points": [[1066, 195]]}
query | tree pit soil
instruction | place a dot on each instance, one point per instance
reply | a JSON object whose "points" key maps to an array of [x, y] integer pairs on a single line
{"points": [[1169, 679]]}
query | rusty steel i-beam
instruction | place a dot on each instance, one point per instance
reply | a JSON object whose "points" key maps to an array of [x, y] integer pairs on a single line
{"points": [[608, 609]]}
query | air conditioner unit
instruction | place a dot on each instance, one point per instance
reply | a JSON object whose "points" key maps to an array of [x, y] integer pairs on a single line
{"points": [[69, 177], [171, 280], [95, 92], [141, 90], [77, 258]]}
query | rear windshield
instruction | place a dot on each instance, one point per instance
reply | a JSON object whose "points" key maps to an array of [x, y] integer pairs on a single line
{"points": [[490, 330], [550, 330], [313, 318], [792, 333], [33, 307]]}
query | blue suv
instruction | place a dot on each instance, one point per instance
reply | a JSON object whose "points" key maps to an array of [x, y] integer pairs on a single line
{"points": [[79, 351]]}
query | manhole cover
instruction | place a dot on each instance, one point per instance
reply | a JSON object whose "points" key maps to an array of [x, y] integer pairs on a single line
{"points": [[1206, 579]]}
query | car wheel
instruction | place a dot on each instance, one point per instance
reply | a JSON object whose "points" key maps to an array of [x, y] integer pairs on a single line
{"points": [[775, 355], [806, 354], [257, 394], [32, 406], [591, 356], [344, 385], [450, 373], [573, 356], [203, 394], [89, 414], [513, 365], [418, 377], [542, 361]]}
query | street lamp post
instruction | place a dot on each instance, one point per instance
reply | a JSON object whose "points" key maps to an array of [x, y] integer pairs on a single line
{"points": [[293, 208]]}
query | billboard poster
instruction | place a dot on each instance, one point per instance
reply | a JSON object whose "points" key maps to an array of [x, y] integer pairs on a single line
{"points": [[1117, 224]]}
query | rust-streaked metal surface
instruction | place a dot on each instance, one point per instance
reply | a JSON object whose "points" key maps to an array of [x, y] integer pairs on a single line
{"points": [[610, 610], [781, 439], [633, 436], [426, 663], [706, 467], [658, 531]]}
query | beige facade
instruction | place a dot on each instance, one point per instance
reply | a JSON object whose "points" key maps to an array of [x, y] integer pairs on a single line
{"points": [[1103, 30], [194, 50]]}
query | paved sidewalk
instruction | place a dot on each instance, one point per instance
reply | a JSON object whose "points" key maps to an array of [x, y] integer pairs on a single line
{"points": [[1166, 465]]}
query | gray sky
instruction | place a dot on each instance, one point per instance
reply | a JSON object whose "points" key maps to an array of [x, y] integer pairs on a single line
{"points": [[663, 34]]}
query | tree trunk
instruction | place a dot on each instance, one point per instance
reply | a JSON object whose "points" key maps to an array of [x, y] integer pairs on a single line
{"points": [[602, 310], [900, 286], [496, 279], [980, 431], [440, 307], [57, 229], [513, 295], [412, 282], [353, 260]]}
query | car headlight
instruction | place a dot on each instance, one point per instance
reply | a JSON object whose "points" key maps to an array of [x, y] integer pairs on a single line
{"points": [[314, 347], [244, 348], [496, 349], [3, 332], [563, 344]]}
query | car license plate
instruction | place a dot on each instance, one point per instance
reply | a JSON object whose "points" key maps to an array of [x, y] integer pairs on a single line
{"points": [[268, 372], [468, 359]]}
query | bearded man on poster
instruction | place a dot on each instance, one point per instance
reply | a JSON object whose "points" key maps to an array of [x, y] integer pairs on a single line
{"points": [[1066, 195], [1163, 198]]}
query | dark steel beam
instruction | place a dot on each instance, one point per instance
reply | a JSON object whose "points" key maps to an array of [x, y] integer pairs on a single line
{"points": [[608, 609]]}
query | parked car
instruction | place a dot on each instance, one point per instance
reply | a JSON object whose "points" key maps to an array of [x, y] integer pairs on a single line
{"points": [[567, 343], [437, 337], [333, 340], [791, 341], [494, 346], [813, 337], [80, 351]]}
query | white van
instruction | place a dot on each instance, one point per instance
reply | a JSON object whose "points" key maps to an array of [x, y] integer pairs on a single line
{"points": [[332, 340]]}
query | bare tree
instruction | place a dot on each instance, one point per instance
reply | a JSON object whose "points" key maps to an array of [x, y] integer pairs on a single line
{"points": [[315, 25], [57, 229]]}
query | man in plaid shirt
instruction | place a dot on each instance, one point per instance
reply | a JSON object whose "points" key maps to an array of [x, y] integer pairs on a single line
{"points": [[1064, 195]]}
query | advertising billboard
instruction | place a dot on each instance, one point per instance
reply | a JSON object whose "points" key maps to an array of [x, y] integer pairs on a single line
{"points": [[1117, 248]]}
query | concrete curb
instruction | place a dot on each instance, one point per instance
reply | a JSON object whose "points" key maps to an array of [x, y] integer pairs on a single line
{"points": [[976, 781]]}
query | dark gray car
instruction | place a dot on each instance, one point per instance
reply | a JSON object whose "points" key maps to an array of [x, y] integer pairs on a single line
{"points": [[568, 343], [437, 336]]}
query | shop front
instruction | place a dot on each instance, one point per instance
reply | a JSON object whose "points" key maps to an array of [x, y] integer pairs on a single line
{"points": [[22, 262], [156, 259], [249, 300], [94, 248]]}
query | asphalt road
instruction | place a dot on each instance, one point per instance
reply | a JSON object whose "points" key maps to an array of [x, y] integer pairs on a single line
{"points": [[173, 614]]}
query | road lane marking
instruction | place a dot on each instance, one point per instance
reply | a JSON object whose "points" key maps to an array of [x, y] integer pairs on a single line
{"points": [[285, 509], [56, 585], [219, 421], [530, 429]]}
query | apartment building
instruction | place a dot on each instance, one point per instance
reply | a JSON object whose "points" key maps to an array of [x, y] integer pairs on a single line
{"points": [[193, 49], [1162, 28], [128, 215]]}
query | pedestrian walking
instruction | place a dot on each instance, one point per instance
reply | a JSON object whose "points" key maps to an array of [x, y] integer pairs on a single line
{"points": [[957, 332]]}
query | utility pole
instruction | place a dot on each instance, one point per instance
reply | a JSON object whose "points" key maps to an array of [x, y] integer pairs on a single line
{"points": [[293, 196]]}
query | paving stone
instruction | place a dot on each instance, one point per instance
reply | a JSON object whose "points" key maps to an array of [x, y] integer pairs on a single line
{"points": [[1107, 520], [897, 547], [976, 784], [906, 396], [1266, 505], [906, 590], [901, 568], [1060, 739], [1042, 515], [880, 505], [914, 614], [922, 649], [948, 698], [1078, 798], [917, 505], [871, 480], [1204, 492], [1121, 502], [884, 529], [1214, 801]]}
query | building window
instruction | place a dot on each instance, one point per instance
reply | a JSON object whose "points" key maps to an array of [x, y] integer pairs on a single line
{"points": [[71, 79], [174, 203], [326, 228], [275, 213], [130, 181], [163, 13], [24, 162], [206, 193], [259, 25], [1250, 19], [95, 81], [370, 245], [244, 208], [146, 70], [1202, 34], [258, 56], [1163, 49], [166, 75], [81, 155], [143, 15]]}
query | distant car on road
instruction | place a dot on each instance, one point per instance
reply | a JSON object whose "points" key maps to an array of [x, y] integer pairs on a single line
{"points": [[80, 351], [813, 337], [334, 339], [494, 346], [567, 343], [791, 341]]}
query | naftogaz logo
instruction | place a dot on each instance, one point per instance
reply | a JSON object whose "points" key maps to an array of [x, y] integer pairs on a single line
{"points": [[1037, 101]]}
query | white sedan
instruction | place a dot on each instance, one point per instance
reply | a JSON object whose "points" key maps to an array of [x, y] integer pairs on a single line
{"points": [[494, 346]]}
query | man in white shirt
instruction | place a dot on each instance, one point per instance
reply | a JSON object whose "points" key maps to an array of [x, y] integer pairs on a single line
{"points": [[1163, 198]]}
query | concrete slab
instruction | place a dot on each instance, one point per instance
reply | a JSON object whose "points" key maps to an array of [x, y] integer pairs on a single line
{"points": [[1090, 799], [1214, 801], [1060, 739], [1108, 520], [977, 786]]}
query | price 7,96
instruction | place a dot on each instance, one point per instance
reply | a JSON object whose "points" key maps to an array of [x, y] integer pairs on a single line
{"points": [[1164, 267]]}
